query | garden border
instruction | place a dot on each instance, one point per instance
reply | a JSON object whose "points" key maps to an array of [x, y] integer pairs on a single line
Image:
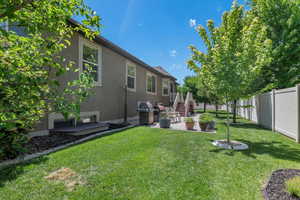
{"points": [[269, 179], [28, 157]]}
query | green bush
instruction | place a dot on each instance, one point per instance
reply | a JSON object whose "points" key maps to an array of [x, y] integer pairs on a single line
{"points": [[293, 186], [12, 143], [189, 120], [205, 118]]}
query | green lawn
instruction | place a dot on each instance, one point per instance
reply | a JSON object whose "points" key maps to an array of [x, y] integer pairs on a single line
{"points": [[144, 163]]}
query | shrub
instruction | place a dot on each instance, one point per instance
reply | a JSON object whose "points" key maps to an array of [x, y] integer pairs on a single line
{"points": [[30, 65], [12, 143], [205, 118], [293, 186], [189, 120]]}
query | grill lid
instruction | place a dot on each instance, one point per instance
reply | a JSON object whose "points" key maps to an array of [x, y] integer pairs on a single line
{"points": [[145, 106]]}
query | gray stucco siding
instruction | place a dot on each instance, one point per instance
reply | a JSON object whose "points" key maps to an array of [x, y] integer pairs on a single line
{"points": [[108, 98]]}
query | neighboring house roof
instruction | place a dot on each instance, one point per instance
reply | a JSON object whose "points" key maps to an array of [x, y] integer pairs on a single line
{"points": [[162, 71], [108, 44]]}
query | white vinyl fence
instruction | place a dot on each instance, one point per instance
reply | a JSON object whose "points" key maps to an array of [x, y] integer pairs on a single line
{"points": [[278, 110]]}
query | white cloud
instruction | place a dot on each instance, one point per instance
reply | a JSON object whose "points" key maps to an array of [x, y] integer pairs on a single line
{"points": [[192, 23], [173, 53]]}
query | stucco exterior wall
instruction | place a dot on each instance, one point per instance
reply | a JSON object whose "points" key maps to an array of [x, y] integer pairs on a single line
{"points": [[108, 99]]}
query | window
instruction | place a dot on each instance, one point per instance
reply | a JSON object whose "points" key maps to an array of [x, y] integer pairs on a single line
{"points": [[172, 88], [131, 76], [90, 56], [151, 83], [4, 25], [18, 29], [14, 27], [165, 87]]}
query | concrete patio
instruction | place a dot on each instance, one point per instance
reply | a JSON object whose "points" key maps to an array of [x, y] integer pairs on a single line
{"points": [[181, 125]]}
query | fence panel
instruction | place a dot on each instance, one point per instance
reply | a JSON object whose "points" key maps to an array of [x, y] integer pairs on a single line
{"points": [[254, 109], [265, 110], [286, 118], [278, 110]]}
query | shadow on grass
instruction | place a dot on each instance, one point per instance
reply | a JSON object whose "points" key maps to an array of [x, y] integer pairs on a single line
{"points": [[246, 125], [13, 172], [274, 149]]}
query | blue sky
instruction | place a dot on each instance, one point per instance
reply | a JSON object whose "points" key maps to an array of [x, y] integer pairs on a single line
{"points": [[158, 31]]}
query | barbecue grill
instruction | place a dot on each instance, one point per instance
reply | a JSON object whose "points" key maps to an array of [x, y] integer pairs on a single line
{"points": [[156, 112], [145, 110]]}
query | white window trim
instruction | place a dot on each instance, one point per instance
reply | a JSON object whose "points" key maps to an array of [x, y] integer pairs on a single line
{"points": [[151, 74], [162, 87], [83, 41], [133, 65]]}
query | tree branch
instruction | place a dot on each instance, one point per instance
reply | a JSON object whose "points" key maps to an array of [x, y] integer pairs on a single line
{"points": [[16, 8]]}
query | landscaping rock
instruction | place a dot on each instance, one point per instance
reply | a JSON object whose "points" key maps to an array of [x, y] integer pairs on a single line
{"points": [[234, 145], [275, 188]]}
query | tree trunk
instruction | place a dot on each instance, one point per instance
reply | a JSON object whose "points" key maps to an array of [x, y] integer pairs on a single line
{"points": [[228, 131], [204, 107], [125, 105], [217, 109], [234, 110]]}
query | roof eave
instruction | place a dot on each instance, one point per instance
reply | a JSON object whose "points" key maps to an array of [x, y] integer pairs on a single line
{"points": [[106, 43]]}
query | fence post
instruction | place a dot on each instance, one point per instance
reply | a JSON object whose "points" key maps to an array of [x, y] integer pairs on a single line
{"points": [[298, 112], [273, 110]]}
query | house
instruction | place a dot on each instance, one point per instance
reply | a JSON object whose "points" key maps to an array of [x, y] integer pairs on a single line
{"points": [[115, 68]]}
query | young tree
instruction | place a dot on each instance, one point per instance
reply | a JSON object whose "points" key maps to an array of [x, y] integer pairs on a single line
{"points": [[32, 34], [235, 52], [68, 101]]}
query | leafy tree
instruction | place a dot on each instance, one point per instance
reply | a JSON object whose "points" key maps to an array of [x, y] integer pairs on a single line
{"points": [[191, 84], [196, 85], [182, 89], [235, 52], [30, 61], [281, 18]]}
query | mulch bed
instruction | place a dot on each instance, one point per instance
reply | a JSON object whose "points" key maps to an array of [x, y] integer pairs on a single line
{"points": [[43, 143], [275, 189]]}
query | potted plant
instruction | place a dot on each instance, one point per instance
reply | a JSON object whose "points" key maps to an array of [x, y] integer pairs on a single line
{"points": [[189, 123], [211, 125], [164, 120], [205, 121]]}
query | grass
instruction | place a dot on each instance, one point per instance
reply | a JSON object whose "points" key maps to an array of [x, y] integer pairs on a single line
{"points": [[293, 186], [145, 163]]}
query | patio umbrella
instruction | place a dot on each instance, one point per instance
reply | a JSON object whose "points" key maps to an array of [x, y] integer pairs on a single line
{"points": [[192, 100], [181, 98], [187, 103], [176, 101]]}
